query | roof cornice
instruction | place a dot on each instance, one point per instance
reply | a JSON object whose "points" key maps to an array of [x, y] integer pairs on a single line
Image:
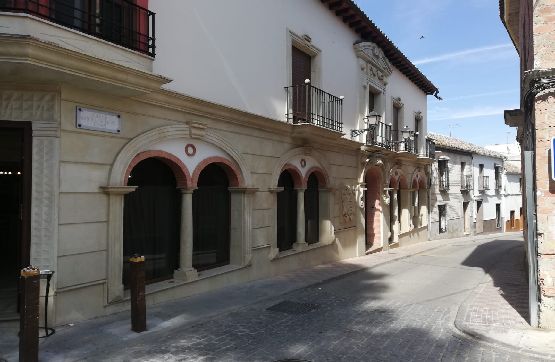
{"points": [[359, 22]]}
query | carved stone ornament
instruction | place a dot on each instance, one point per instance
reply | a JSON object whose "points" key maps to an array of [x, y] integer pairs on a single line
{"points": [[374, 65], [397, 102], [348, 194], [418, 116], [385, 197]]}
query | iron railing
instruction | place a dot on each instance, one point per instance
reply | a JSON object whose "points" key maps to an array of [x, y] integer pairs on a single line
{"points": [[379, 135], [118, 21], [308, 104], [466, 182], [498, 184], [402, 144], [443, 182], [430, 149], [483, 183]]}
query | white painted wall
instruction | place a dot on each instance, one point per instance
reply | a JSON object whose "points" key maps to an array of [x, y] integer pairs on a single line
{"points": [[237, 53], [512, 199], [490, 197]]}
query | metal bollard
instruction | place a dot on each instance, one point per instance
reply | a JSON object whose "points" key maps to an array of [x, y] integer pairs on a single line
{"points": [[29, 315], [137, 286]]}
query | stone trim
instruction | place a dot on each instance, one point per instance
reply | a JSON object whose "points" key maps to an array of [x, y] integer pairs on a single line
{"points": [[180, 171], [298, 179], [231, 169], [321, 175]]}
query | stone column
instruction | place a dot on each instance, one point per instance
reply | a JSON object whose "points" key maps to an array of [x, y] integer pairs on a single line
{"points": [[186, 271], [326, 227], [241, 225], [274, 250], [301, 238], [395, 213], [115, 239]]}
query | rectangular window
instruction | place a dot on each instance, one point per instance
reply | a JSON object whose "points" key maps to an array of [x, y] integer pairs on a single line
{"points": [[443, 173], [395, 125], [442, 210], [464, 186], [498, 215], [371, 102]]}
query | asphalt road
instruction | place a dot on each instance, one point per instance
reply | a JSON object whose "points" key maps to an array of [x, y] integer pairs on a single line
{"points": [[401, 311]]}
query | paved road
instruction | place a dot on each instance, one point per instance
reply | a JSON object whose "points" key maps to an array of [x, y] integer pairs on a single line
{"points": [[403, 310]]}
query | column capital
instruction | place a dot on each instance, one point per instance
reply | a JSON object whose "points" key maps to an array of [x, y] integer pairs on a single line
{"points": [[185, 190], [275, 189], [303, 189], [118, 190], [246, 190]]}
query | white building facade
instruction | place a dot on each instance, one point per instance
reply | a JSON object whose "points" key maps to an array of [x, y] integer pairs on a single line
{"points": [[222, 153]]}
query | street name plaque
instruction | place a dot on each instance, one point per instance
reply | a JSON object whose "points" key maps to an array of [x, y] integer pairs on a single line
{"points": [[95, 120]]}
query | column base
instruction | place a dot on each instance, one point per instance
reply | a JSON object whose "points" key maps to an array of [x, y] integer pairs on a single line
{"points": [[186, 275], [300, 245]]}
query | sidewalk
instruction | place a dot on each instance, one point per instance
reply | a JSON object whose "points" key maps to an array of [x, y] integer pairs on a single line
{"points": [[497, 310], [73, 342]]}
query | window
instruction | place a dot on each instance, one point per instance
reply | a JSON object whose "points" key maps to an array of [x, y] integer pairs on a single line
{"points": [[151, 220], [464, 186], [442, 210], [371, 101], [498, 177], [520, 184], [395, 125], [417, 120], [498, 215], [443, 173]]}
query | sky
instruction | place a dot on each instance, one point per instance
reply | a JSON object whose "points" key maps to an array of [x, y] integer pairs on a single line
{"points": [[466, 52]]}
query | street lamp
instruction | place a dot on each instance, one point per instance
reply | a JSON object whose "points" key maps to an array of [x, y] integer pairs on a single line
{"points": [[372, 120]]}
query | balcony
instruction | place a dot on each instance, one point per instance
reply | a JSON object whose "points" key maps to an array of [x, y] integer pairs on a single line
{"points": [[378, 134], [498, 184], [443, 182], [483, 183], [430, 149], [307, 104], [466, 183], [120, 22]]}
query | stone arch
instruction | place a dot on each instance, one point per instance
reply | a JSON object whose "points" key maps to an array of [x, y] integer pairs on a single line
{"points": [[295, 173], [182, 175], [300, 151], [397, 179], [232, 171], [320, 174], [142, 143], [419, 180]]}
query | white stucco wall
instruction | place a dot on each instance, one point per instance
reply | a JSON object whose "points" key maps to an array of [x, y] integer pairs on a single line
{"points": [[492, 196], [513, 196], [237, 53]]}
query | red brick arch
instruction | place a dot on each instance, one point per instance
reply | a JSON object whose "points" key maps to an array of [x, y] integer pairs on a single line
{"points": [[231, 169], [180, 171], [296, 174], [419, 182], [320, 174]]}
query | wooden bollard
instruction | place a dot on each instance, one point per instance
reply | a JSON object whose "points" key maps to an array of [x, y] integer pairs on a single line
{"points": [[29, 315], [137, 286]]}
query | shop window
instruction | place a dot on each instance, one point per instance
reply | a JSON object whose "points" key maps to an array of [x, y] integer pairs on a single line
{"points": [[286, 212], [211, 219], [151, 220]]}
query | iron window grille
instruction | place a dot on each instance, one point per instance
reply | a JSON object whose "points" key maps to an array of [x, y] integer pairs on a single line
{"points": [[483, 183], [118, 21]]}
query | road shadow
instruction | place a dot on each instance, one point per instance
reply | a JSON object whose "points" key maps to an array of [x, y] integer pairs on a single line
{"points": [[508, 273]]}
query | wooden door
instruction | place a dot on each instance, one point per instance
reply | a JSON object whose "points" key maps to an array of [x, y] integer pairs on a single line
{"points": [[300, 71]]}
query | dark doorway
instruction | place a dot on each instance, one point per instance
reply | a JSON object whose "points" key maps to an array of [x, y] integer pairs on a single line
{"points": [[286, 212], [211, 219], [312, 210], [151, 220], [373, 209], [15, 202], [479, 217]]}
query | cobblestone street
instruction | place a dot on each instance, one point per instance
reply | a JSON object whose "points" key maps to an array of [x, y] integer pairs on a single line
{"points": [[400, 310]]}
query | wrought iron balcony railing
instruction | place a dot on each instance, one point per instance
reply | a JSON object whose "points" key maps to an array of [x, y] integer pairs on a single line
{"points": [[430, 149], [402, 144], [483, 183], [466, 183], [308, 104], [378, 135], [118, 21], [443, 182]]}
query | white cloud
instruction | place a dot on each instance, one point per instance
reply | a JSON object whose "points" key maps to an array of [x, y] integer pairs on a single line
{"points": [[464, 54], [451, 114], [480, 95]]}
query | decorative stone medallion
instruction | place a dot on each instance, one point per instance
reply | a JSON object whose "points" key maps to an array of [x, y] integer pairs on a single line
{"points": [[190, 150]]}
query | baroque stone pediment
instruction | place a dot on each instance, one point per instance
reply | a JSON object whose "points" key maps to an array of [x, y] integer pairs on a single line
{"points": [[374, 64]]}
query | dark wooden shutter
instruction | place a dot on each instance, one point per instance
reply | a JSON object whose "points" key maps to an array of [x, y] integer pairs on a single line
{"points": [[371, 101], [300, 66]]}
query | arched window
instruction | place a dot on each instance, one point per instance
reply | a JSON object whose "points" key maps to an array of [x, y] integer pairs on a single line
{"points": [[211, 219], [286, 212], [151, 220], [312, 210]]}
